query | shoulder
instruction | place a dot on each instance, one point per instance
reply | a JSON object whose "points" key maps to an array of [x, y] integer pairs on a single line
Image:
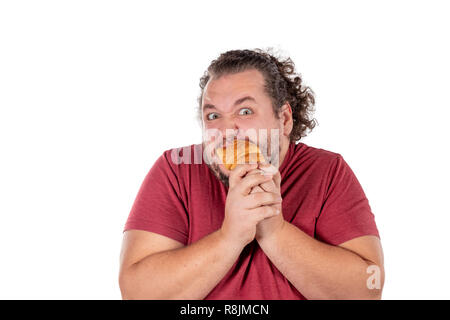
{"points": [[184, 162], [182, 156], [318, 157]]}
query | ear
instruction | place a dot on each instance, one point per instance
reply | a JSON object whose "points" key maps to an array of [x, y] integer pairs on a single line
{"points": [[286, 119]]}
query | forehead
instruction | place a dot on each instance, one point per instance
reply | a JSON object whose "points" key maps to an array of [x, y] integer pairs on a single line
{"points": [[227, 88]]}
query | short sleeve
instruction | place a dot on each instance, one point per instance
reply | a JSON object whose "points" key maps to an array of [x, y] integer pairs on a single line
{"points": [[158, 206], [345, 213]]}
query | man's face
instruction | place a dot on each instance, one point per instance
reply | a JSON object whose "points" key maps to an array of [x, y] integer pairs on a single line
{"points": [[236, 105]]}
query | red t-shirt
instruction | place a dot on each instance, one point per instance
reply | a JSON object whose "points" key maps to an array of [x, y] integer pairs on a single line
{"points": [[321, 196]]}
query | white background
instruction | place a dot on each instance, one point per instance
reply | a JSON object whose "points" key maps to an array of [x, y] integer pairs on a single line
{"points": [[92, 92]]}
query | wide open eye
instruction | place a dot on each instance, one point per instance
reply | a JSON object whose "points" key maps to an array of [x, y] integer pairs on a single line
{"points": [[245, 111], [210, 116]]}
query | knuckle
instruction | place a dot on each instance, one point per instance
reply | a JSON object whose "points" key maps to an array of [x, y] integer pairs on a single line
{"points": [[258, 178], [269, 210], [264, 212], [269, 196], [259, 196]]}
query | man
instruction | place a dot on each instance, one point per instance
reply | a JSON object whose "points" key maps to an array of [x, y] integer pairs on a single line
{"points": [[200, 231]]}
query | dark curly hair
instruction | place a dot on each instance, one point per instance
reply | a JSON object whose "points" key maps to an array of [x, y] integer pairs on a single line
{"points": [[282, 84]]}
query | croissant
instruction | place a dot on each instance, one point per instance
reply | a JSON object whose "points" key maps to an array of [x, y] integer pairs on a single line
{"points": [[241, 151]]}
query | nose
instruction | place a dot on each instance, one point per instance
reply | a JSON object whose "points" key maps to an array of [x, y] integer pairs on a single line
{"points": [[229, 129]]}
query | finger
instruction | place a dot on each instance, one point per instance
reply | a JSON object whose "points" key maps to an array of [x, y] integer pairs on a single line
{"points": [[269, 186], [239, 172], [265, 186], [270, 169], [277, 179], [246, 184], [264, 212], [267, 168], [257, 189], [258, 199], [254, 171]]}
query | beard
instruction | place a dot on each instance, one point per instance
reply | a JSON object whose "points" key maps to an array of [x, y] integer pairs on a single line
{"points": [[214, 167], [224, 178]]}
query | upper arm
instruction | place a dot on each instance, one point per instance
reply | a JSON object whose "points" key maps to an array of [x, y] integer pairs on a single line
{"points": [[159, 207], [138, 244], [345, 213]]}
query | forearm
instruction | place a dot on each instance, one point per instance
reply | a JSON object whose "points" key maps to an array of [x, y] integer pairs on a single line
{"points": [[189, 272], [316, 269]]}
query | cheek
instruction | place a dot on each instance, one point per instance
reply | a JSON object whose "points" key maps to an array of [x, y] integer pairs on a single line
{"points": [[254, 123], [268, 124], [217, 124], [206, 124]]}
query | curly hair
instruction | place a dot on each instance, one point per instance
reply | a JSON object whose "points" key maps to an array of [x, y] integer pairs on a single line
{"points": [[282, 84]]}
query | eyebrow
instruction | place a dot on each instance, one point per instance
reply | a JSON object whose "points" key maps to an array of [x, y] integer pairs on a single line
{"points": [[237, 102]]}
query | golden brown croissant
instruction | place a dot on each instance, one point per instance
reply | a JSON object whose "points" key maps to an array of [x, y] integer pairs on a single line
{"points": [[241, 151]]}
